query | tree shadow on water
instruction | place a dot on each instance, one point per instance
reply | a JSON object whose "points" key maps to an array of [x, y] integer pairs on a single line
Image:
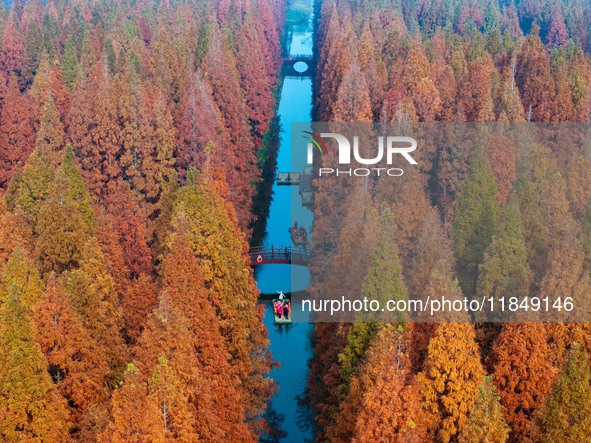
{"points": [[275, 433]]}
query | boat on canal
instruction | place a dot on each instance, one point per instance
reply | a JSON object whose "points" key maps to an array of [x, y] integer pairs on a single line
{"points": [[281, 311], [298, 234]]}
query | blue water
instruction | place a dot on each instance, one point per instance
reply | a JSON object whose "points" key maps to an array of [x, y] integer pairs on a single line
{"points": [[294, 106], [290, 344]]}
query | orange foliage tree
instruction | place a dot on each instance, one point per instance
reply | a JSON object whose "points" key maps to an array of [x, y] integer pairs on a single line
{"points": [[523, 374], [211, 227], [450, 379], [389, 406], [75, 361]]}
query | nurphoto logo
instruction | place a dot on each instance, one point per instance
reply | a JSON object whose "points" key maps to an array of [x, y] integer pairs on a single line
{"points": [[387, 148]]}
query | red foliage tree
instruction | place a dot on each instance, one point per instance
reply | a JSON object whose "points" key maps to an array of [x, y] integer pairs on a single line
{"points": [[239, 156], [501, 157], [258, 88], [389, 403], [557, 33], [12, 54], [94, 131], [353, 102], [17, 136], [475, 92], [131, 226], [534, 79], [199, 124]]}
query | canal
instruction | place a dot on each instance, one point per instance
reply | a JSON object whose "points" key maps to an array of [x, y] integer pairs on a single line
{"points": [[290, 344]]}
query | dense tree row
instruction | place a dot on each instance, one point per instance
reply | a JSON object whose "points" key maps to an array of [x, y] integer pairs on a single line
{"points": [[445, 76], [501, 217], [143, 91], [129, 136]]}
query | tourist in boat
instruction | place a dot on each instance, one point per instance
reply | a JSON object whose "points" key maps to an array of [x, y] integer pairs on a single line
{"points": [[286, 308], [279, 310], [303, 233]]}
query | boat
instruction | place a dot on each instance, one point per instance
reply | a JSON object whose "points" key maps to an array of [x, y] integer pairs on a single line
{"points": [[283, 320], [299, 236]]}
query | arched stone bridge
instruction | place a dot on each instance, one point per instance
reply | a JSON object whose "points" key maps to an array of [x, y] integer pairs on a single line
{"points": [[290, 71], [286, 255]]}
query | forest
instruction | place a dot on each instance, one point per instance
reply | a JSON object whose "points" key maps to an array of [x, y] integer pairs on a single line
{"points": [[503, 217], [133, 136], [130, 136]]}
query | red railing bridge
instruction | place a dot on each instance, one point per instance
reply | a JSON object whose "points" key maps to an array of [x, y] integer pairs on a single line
{"points": [[286, 255]]}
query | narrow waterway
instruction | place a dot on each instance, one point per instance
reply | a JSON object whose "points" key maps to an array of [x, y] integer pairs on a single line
{"points": [[290, 345]]}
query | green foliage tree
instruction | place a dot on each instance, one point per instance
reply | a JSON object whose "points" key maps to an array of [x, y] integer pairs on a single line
{"points": [[50, 136], [566, 416], [474, 222], [359, 338], [505, 271], [486, 423], [547, 221], [383, 282], [31, 188], [70, 63], [20, 274], [384, 279]]}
